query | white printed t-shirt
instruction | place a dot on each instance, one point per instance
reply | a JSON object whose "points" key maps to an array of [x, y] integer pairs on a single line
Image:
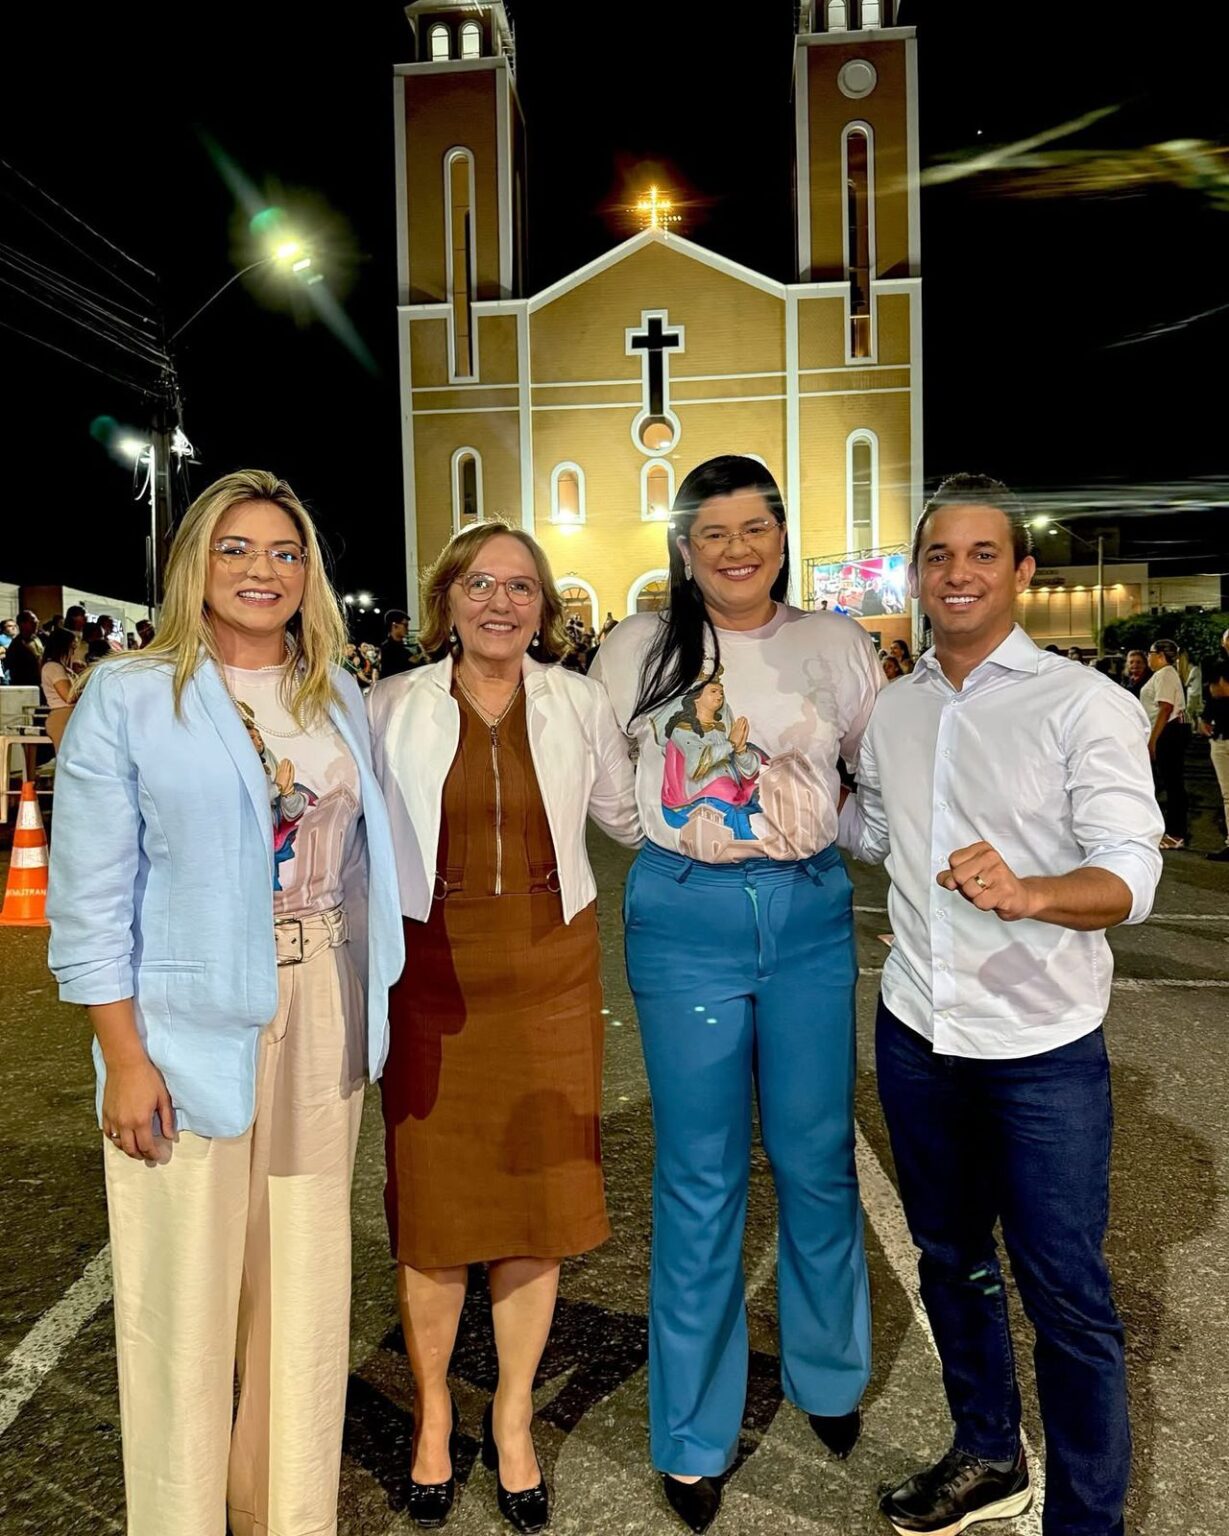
{"points": [[314, 795], [745, 766]]}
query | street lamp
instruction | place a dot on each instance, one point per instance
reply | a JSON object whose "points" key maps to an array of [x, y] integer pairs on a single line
{"points": [[290, 252], [1052, 525]]}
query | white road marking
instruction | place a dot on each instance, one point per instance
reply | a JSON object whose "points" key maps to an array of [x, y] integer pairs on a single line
{"points": [[886, 1215], [39, 1352]]}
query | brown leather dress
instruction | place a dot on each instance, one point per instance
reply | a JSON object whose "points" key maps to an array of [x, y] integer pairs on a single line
{"points": [[493, 1087]]}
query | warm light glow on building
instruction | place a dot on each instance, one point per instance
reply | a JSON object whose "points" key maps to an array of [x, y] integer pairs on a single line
{"points": [[656, 211]]}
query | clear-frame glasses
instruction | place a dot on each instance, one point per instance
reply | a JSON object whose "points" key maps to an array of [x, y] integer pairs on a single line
{"points": [[752, 533], [481, 586], [242, 553]]}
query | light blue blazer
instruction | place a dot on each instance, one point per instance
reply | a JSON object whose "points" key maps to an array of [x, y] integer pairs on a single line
{"points": [[161, 882]]}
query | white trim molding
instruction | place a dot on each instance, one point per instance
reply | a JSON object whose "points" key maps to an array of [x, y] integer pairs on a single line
{"points": [[556, 516], [861, 435], [793, 448], [460, 152], [648, 237], [638, 586], [403, 191], [409, 493], [455, 481], [859, 125], [573, 580], [503, 161], [647, 514], [802, 161], [525, 413], [913, 160]]}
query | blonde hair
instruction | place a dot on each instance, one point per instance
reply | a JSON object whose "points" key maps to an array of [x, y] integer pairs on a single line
{"points": [[317, 631], [454, 560]]}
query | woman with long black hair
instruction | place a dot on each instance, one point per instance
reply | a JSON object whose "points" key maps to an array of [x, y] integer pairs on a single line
{"points": [[740, 955]]}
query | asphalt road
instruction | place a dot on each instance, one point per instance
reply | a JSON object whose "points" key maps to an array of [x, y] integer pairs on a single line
{"points": [[1169, 1247]]}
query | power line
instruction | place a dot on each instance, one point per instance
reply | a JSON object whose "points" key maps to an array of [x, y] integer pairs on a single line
{"points": [[68, 213], [97, 314], [141, 389], [73, 284], [145, 355]]}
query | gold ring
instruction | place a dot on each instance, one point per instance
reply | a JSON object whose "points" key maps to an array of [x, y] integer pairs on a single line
{"points": [[979, 881]]}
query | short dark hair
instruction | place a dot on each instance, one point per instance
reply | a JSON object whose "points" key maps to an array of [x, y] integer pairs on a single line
{"points": [[395, 616], [967, 490]]}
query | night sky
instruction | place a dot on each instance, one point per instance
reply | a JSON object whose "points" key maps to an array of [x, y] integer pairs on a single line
{"points": [[1036, 279]]}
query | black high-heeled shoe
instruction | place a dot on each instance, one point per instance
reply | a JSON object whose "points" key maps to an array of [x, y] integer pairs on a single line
{"points": [[430, 1504], [839, 1434], [527, 1511], [696, 1504]]}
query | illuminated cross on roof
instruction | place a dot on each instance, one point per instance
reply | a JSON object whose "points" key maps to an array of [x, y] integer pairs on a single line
{"points": [[656, 210]]}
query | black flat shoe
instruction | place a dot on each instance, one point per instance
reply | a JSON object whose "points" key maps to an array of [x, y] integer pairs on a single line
{"points": [[430, 1504], [839, 1434], [527, 1511], [696, 1504]]}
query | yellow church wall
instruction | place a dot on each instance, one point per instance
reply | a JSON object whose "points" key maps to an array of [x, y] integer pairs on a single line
{"points": [[893, 327], [730, 326], [429, 352], [497, 359], [886, 110], [824, 429], [496, 438], [821, 333], [433, 125]]}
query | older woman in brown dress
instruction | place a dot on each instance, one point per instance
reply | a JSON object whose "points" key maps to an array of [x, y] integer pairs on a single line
{"points": [[491, 759]]}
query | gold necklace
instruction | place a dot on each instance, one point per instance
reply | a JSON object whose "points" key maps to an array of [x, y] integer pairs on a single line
{"points": [[491, 724]]}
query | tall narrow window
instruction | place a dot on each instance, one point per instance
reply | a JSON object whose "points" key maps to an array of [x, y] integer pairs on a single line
{"points": [[656, 490], [567, 494], [837, 16], [471, 40], [439, 43], [460, 188], [862, 492], [859, 255], [466, 488]]}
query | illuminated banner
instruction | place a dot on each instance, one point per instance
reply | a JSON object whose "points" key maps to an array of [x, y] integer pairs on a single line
{"points": [[864, 589]]}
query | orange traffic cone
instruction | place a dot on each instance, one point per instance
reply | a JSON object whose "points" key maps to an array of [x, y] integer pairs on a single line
{"points": [[25, 901]]}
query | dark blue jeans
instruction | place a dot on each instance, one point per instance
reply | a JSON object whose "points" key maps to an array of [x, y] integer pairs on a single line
{"points": [[1026, 1142]]}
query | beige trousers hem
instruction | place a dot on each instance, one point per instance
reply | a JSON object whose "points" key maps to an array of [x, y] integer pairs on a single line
{"points": [[233, 1253]]}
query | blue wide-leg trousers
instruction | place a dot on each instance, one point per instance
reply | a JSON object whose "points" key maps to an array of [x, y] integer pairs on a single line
{"points": [[744, 974]]}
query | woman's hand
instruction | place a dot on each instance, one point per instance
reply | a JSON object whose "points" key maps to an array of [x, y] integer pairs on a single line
{"points": [[135, 1091]]}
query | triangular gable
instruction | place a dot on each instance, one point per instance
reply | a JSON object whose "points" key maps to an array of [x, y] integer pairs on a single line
{"points": [[637, 243]]}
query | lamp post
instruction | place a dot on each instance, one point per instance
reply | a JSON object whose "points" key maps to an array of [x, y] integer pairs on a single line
{"points": [[1052, 525]]}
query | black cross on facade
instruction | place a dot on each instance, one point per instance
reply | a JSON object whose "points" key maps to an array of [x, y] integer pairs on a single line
{"points": [[656, 341]]}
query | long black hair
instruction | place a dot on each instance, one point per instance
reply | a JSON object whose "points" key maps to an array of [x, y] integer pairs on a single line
{"points": [[674, 661]]}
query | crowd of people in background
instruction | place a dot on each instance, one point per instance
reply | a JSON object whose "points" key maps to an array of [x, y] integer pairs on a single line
{"points": [[1180, 702]]}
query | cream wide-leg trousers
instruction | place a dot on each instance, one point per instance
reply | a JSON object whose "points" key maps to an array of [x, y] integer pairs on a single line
{"points": [[235, 1251]]}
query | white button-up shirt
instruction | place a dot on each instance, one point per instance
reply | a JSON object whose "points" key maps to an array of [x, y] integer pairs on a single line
{"points": [[1046, 761]]}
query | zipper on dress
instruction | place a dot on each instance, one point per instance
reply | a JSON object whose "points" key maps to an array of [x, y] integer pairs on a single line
{"points": [[499, 814]]}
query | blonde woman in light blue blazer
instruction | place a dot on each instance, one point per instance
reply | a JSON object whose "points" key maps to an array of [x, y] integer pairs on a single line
{"points": [[223, 900]]}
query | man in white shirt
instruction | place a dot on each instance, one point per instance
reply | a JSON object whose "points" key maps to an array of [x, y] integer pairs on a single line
{"points": [[1011, 796]]}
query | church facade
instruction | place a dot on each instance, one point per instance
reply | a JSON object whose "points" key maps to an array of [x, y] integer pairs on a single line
{"points": [[577, 410]]}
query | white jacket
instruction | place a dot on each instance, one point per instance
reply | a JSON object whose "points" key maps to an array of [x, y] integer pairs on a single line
{"points": [[579, 754]]}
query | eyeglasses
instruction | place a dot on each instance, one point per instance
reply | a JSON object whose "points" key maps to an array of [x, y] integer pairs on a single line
{"points": [[751, 533], [482, 587], [240, 553]]}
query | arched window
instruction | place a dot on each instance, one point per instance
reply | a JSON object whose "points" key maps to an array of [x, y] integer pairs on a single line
{"points": [[567, 494], [837, 16], [579, 600], [439, 43], [459, 205], [656, 490], [466, 488], [861, 492], [859, 241], [648, 593], [471, 40]]}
